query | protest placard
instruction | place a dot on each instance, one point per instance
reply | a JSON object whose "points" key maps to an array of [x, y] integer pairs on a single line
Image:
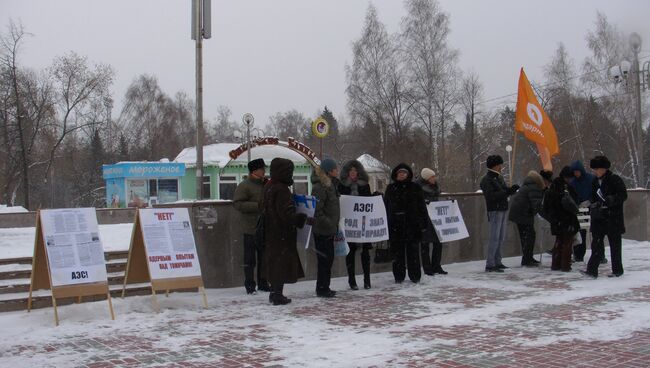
{"points": [[304, 204], [68, 256], [447, 221], [364, 219], [163, 252]]}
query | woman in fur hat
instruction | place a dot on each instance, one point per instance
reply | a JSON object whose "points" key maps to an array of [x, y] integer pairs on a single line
{"points": [[354, 181]]}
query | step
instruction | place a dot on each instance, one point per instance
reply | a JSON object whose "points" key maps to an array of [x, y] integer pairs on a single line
{"points": [[44, 299]]}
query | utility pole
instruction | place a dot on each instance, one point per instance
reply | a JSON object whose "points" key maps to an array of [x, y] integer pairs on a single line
{"points": [[201, 12]]}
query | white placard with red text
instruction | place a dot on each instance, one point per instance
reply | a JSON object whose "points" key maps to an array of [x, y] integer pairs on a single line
{"points": [[169, 241]]}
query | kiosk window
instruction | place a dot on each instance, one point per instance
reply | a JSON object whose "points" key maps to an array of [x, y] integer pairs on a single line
{"points": [[205, 187], [227, 186]]}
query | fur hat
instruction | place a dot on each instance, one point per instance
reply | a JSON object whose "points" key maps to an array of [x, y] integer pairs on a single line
{"points": [[546, 174], [493, 160], [600, 162], [426, 173], [328, 165], [566, 172], [255, 164]]}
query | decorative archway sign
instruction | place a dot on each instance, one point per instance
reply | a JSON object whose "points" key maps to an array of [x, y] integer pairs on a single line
{"points": [[291, 144]]}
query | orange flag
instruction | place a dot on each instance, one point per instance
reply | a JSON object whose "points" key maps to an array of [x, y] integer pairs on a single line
{"points": [[532, 121]]}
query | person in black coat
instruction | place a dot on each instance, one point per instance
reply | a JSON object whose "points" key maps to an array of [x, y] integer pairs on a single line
{"points": [[431, 190], [524, 205], [354, 181], [607, 218], [561, 211], [407, 219], [496, 194]]}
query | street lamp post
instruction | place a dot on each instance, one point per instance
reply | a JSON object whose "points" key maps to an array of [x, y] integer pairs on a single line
{"points": [[509, 150], [621, 73], [249, 120], [635, 44]]}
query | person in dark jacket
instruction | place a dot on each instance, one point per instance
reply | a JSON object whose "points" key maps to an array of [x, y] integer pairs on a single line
{"points": [[562, 212], [407, 219], [524, 205], [582, 183], [431, 190], [496, 194], [354, 181], [246, 200], [607, 219], [324, 182], [281, 259]]}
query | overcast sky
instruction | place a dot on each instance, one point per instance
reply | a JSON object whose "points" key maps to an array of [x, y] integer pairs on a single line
{"points": [[271, 56]]}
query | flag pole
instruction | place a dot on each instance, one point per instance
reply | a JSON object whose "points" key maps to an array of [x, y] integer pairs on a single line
{"points": [[514, 157]]}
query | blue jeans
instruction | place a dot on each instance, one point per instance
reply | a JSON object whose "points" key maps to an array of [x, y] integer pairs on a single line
{"points": [[497, 221]]}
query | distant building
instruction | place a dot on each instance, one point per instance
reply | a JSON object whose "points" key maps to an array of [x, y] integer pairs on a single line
{"points": [[221, 173], [142, 184], [378, 172]]}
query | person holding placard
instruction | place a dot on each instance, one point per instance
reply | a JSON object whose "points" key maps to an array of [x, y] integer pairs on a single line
{"points": [[281, 260], [246, 200], [431, 190], [354, 181], [407, 220], [562, 211], [324, 182]]}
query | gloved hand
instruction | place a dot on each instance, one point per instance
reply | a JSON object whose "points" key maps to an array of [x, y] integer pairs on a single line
{"points": [[585, 204], [310, 220], [513, 189], [377, 193]]}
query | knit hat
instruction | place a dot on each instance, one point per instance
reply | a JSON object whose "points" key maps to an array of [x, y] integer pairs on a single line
{"points": [[600, 162], [566, 172], [546, 174], [256, 164], [328, 165], [426, 173], [493, 160]]}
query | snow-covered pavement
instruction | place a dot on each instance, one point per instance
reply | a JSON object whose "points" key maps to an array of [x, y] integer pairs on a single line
{"points": [[522, 318]]}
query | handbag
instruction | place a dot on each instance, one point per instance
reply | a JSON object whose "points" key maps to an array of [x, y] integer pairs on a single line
{"points": [[383, 253], [341, 248]]}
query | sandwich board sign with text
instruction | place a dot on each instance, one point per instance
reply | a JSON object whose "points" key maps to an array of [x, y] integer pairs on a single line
{"points": [[163, 252], [68, 256], [447, 220], [363, 219]]}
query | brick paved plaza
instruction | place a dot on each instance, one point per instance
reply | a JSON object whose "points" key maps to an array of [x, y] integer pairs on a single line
{"points": [[522, 318]]}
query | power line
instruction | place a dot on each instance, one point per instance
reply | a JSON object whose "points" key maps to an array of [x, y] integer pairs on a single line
{"points": [[554, 83]]}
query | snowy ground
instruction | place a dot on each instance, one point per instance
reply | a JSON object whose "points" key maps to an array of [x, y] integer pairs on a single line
{"points": [[524, 317], [19, 242]]}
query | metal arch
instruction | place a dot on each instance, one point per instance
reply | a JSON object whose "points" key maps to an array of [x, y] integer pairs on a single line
{"points": [[313, 163]]}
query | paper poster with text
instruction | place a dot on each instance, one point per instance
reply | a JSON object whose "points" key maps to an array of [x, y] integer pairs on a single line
{"points": [[364, 219], [447, 220], [304, 204], [169, 240], [74, 250]]}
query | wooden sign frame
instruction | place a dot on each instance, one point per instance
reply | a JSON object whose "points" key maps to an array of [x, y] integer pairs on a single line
{"points": [[137, 270], [41, 278]]}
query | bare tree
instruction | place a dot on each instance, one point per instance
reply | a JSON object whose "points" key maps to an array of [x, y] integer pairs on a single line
{"points": [[289, 124], [80, 92], [431, 65], [470, 95], [378, 87]]}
